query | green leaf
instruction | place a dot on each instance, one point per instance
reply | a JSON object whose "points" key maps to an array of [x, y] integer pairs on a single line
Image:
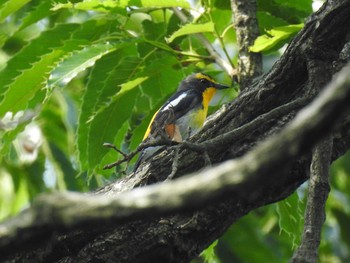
{"points": [[111, 155], [160, 45], [275, 37], [109, 119], [112, 70], [10, 7], [343, 219], [284, 10], [209, 254], [191, 29], [25, 86], [37, 11], [78, 62], [248, 233], [268, 21], [160, 3], [291, 217], [111, 5], [35, 78], [302, 5], [33, 52], [6, 193], [125, 87]]}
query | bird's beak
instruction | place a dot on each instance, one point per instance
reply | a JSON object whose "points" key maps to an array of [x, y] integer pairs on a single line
{"points": [[220, 86]]}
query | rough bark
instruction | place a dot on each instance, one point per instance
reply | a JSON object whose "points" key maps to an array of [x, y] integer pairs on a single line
{"points": [[247, 30], [180, 237], [315, 215]]}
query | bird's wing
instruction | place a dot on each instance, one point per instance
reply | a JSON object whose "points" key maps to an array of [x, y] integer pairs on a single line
{"points": [[175, 107]]}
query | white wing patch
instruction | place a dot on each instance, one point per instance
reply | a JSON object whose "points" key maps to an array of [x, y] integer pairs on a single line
{"points": [[174, 102]]}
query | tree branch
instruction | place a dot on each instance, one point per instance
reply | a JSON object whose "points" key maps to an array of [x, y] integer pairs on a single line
{"points": [[247, 30], [315, 208], [179, 237], [232, 178]]}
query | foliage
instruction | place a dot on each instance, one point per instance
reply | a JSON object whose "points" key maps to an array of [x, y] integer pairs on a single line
{"points": [[74, 75]]}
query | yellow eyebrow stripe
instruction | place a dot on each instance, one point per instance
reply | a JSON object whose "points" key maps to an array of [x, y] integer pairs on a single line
{"points": [[202, 76]]}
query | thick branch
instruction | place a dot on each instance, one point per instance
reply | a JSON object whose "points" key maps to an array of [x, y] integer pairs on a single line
{"points": [[179, 238], [232, 178]]}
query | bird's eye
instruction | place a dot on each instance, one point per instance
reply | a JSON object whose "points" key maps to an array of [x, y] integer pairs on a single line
{"points": [[203, 80]]}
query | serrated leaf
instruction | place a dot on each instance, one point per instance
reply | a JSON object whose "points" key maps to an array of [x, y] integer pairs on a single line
{"points": [[78, 62], [290, 217], [112, 70], [76, 35], [38, 10], [107, 121], [110, 5], [191, 29], [24, 87], [274, 37], [32, 53], [10, 7], [31, 81]]}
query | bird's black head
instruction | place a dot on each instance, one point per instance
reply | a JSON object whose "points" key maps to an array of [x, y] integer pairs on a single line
{"points": [[199, 81]]}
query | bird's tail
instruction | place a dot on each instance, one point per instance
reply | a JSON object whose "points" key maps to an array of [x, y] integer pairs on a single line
{"points": [[146, 154]]}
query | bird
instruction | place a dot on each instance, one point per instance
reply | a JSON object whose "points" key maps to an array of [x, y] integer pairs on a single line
{"points": [[182, 115]]}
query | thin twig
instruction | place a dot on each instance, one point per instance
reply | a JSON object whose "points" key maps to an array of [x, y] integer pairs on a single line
{"points": [[146, 144], [225, 65], [204, 147], [175, 164], [231, 136], [112, 146]]}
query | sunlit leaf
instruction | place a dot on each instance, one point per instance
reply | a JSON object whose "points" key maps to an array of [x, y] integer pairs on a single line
{"points": [[291, 217], [78, 62], [10, 7], [110, 5], [37, 11], [274, 37], [191, 29], [24, 87], [34, 51], [209, 254]]}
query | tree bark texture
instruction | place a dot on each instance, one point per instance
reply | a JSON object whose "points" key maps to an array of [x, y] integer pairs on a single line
{"points": [[247, 30], [318, 48], [315, 215]]}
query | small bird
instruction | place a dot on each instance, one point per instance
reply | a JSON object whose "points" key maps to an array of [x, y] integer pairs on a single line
{"points": [[183, 114]]}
